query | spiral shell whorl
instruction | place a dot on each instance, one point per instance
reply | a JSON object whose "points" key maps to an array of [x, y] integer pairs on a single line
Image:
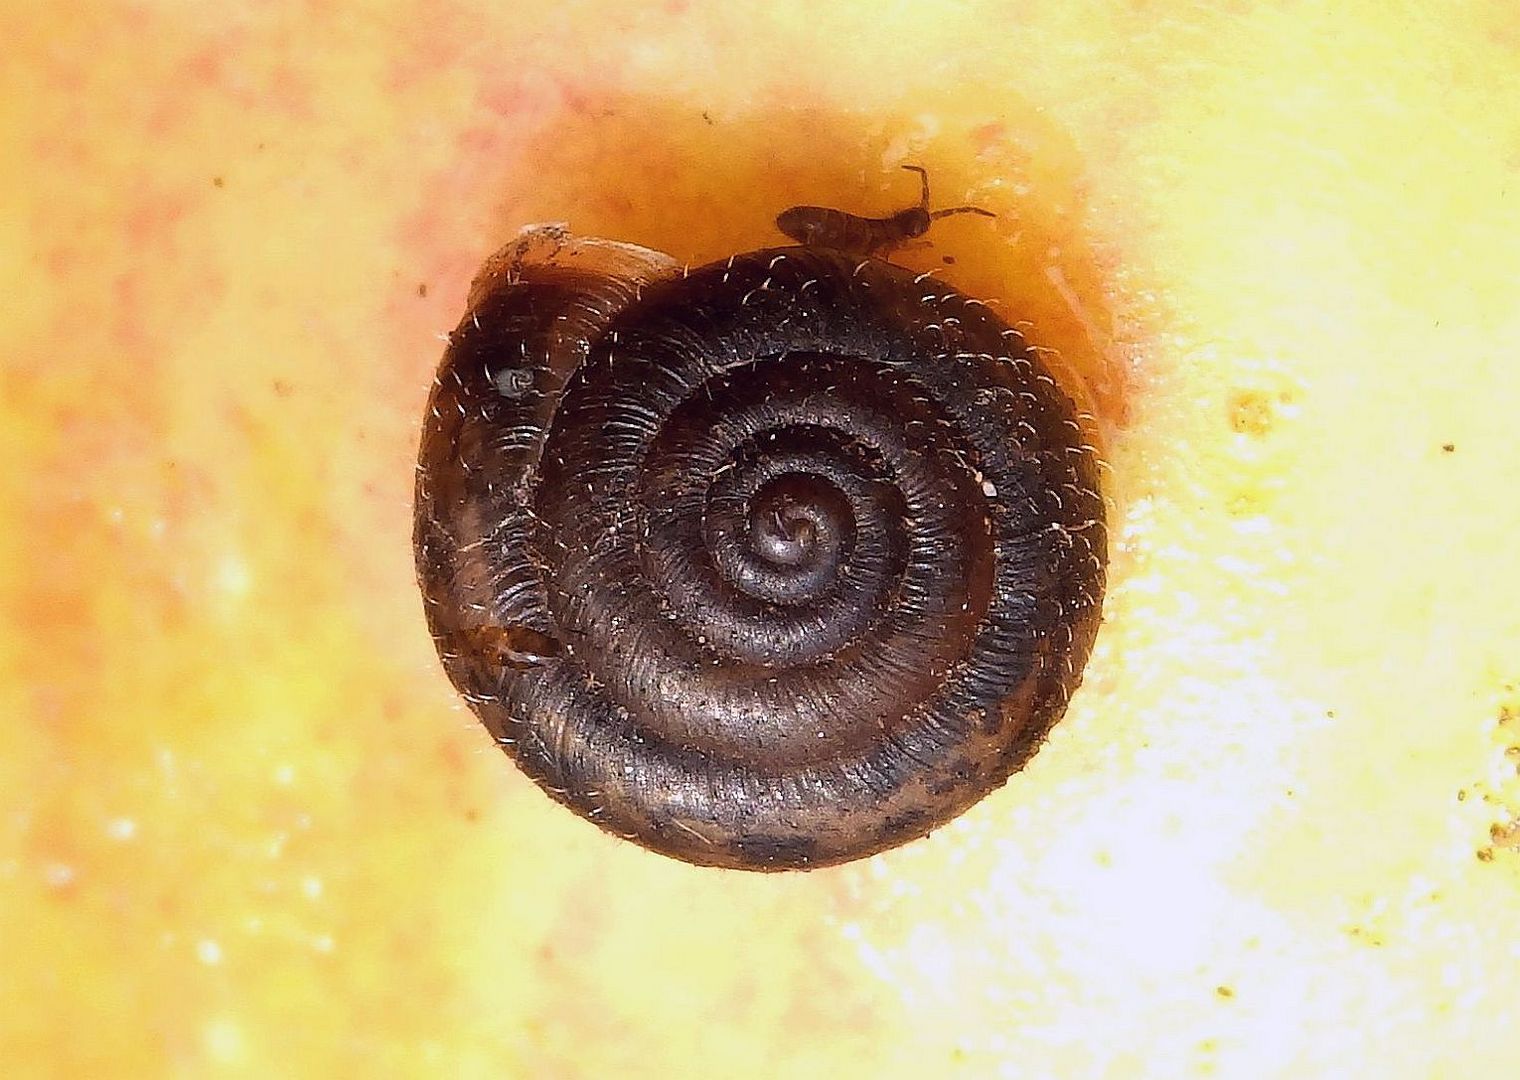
{"points": [[795, 556]]}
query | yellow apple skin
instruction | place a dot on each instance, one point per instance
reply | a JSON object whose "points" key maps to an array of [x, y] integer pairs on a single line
{"points": [[245, 824]]}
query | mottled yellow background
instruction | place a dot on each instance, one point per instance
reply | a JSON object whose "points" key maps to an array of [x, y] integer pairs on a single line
{"points": [[245, 825]]}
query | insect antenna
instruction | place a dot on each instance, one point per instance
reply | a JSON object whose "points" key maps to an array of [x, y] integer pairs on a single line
{"points": [[923, 199], [923, 176], [962, 210]]}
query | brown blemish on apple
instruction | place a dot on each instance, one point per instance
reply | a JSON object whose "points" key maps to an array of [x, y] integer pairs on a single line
{"points": [[1502, 797], [1505, 835], [1252, 413]]}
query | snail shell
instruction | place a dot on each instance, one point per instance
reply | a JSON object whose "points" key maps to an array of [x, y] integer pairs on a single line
{"points": [[769, 564]]}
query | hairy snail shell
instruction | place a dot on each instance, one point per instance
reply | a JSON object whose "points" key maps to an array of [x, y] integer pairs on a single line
{"points": [[773, 563]]}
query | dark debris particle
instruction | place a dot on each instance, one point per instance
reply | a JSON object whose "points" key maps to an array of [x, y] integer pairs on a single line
{"points": [[422, 289], [1449, 447], [217, 181]]}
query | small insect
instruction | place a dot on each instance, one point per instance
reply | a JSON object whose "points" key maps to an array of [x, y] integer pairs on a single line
{"points": [[823, 226]]}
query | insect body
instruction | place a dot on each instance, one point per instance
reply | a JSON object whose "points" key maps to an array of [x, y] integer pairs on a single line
{"points": [[823, 226]]}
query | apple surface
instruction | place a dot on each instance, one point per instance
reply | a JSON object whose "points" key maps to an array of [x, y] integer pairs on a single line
{"points": [[249, 826]]}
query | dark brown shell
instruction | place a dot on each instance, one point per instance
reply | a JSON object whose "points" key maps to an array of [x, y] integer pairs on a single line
{"points": [[773, 564]]}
